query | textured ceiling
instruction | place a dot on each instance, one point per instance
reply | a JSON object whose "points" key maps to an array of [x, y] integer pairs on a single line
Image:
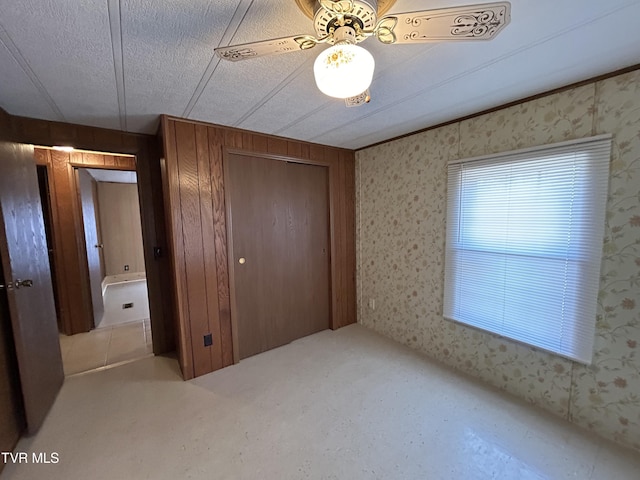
{"points": [[121, 63]]}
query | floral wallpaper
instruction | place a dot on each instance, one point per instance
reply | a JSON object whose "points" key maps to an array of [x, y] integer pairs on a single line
{"points": [[400, 215]]}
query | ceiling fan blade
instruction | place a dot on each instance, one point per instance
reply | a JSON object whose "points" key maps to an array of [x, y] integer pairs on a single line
{"points": [[274, 46], [471, 22]]}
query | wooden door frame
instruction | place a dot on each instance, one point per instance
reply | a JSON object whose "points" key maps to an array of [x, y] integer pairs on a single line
{"points": [[79, 219], [57, 230], [226, 152], [78, 223]]}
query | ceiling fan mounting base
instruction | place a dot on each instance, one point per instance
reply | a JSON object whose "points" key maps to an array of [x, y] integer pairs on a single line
{"points": [[309, 7], [353, 24], [346, 34], [362, 17]]}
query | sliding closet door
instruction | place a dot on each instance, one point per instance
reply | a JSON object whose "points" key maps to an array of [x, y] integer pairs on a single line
{"points": [[307, 256], [280, 237]]}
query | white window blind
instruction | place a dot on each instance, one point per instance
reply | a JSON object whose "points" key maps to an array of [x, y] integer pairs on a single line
{"points": [[524, 242]]}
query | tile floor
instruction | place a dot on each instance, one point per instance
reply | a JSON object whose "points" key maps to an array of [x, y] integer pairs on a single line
{"points": [[122, 334], [117, 293], [345, 404], [106, 346]]}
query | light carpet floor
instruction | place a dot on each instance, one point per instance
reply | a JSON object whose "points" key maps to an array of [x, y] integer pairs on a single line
{"points": [[348, 404]]}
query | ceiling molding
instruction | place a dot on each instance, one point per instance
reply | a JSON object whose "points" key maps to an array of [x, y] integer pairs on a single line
{"points": [[242, 130], [530, 98]]}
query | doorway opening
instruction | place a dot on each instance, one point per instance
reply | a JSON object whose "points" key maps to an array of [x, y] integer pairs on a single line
{"points": [[108, 224]]}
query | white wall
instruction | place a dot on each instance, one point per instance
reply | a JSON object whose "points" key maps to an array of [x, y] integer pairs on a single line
{"points": [[120, 227]]}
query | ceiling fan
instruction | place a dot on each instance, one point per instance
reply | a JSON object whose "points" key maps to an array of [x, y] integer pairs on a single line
{"points": [[345, 70]]}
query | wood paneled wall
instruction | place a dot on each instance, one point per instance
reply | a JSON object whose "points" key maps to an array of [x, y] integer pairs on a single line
{"points": [[6, 130], [194, 204], [147, 152], [69, 251]]}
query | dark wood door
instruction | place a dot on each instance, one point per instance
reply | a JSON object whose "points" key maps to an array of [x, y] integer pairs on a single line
{"points": [[11, 413], [93, 245], [25, 263], [280, 237], [307, 251], [47, 215]]}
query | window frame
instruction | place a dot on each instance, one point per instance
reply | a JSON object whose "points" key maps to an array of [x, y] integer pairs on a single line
{"points": [[597, 150]]}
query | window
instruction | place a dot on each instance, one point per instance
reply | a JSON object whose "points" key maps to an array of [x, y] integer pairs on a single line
{"points": [[524, 243]]}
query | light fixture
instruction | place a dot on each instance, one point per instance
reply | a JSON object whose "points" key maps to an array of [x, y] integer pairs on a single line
{"points": [[345, 69], [63, 148]]}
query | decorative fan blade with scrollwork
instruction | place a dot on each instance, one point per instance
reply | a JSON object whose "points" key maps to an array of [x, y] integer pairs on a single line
{"points": [[274, 46], [475, 22], [345, 23]]}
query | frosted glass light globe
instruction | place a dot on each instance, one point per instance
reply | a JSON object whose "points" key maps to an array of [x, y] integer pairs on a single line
{"points": [[344, 71]]}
